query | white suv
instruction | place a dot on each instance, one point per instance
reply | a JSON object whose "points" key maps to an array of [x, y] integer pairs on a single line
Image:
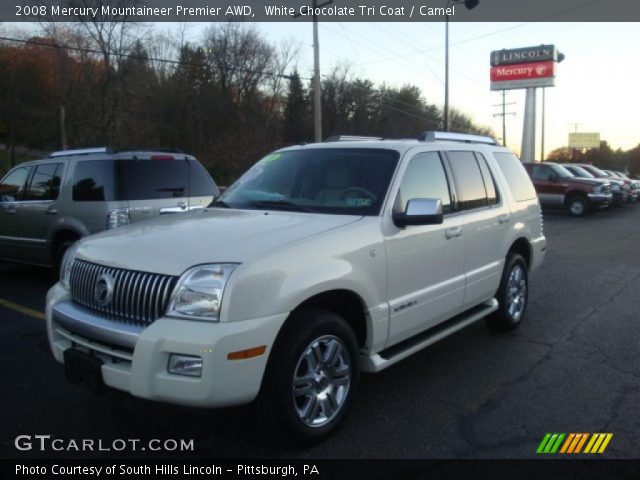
{"points": [[320, 262]]}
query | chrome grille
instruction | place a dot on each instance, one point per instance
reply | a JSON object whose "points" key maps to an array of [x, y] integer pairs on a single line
{"points": [[139, 298], [606, 188]]}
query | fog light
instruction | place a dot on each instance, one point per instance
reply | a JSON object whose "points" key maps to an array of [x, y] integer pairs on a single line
{"points": [[185, 365]]}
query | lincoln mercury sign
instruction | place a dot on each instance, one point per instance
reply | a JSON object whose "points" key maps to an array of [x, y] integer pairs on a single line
{"points": [[523, 67]]}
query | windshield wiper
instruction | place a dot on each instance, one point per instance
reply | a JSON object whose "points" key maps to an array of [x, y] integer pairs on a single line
{"points": [[281, 205], [219, 203]]}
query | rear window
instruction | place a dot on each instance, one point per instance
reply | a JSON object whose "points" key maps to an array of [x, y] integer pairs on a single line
{"points": [[107, 180], [517, 177], [45, 183], [468, 179]]}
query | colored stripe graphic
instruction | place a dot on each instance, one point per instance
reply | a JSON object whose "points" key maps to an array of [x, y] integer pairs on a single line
{"points": [[574, 443]]}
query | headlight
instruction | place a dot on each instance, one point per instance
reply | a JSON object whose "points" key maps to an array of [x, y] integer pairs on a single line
{"points": [[615, 187], [67, 263], [198, 294]]}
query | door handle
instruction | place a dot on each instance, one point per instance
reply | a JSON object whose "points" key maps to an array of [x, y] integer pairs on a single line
{"points": [[452, 232], [504, 218], [52, 211]]}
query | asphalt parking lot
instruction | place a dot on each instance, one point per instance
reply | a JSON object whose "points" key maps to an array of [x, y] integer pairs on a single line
{"points": [[573, 366]]}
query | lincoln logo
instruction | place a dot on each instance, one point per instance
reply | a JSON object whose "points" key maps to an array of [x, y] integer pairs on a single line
{"points": [[104, 289]]}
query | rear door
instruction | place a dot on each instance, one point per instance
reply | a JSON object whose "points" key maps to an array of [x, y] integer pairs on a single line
{"points": [[39, 212], [162, 185], [486, 219], [12, 189]]}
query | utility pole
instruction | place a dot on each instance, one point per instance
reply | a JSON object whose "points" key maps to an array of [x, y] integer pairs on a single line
{"points": [[504, 115], [317, 94], [12, 119], [63, 130], [574, 151]]}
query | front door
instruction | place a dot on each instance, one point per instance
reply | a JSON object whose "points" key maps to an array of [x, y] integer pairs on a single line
{"points": [[425, 263]]}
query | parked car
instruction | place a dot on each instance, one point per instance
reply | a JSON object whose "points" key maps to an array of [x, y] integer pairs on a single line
{"points": [[619, 189], [634, 185], [557, 187], [320, 262], [46, 205]]}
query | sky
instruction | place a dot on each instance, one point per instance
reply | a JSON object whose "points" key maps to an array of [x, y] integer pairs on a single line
{"points": [[596, 85]]}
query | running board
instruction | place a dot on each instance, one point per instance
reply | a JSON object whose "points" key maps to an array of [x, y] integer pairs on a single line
{"points": [[389, 356]]}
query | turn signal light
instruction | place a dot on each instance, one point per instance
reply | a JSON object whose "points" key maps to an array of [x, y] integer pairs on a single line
{"points": [[249, 353]]}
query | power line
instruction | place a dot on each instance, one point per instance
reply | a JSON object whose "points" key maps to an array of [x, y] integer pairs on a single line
{"points": [[144, 57]]}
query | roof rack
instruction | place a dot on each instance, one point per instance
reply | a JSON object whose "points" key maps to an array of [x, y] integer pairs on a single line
{"points": [[456, 137], [81, 151], [351, 138]]}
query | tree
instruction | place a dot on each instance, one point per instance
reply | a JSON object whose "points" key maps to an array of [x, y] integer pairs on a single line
{"points": [[296, 112], [561, 155]]}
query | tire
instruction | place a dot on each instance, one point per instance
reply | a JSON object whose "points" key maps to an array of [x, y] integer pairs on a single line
{"points": [[326, 391], [510, 310], [578, 206]]}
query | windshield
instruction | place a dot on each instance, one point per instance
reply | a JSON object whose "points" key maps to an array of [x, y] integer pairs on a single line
{"points": [[348, 181], [580, 172], [562, 172]]}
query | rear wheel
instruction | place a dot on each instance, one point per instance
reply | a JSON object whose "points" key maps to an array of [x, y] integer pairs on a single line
{"points": [[312, 376], [513, 295]]}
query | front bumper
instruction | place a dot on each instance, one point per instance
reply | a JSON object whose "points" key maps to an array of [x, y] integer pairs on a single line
{"points": [[136, 361], [600, 200]]}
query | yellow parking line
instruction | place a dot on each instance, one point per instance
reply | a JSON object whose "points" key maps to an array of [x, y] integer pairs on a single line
{"points": [[19, 308]]}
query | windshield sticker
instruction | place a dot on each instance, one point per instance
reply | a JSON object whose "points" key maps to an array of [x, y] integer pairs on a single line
{"points": [[358, 202], [271, 158]]}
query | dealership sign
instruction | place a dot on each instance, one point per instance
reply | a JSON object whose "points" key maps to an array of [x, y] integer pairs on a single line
{"points": [[540, 53], [584, 140], [523, 67]]}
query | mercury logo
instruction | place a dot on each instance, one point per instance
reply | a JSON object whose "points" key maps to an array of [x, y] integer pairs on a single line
{"points": [[103, 291], [541, 69]]}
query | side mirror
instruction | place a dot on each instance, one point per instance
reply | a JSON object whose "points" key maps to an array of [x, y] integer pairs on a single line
{"points": [[420, 211]]}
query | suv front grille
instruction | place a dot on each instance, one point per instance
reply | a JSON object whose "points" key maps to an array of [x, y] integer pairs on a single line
{"points": [[606, 188], [138, 298]]}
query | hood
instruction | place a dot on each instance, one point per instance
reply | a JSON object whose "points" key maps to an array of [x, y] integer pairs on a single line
{"points": [[173, 243], [590, 181]]}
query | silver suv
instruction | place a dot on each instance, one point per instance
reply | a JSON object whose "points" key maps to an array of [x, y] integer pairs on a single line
{"points": [[46, 205]]}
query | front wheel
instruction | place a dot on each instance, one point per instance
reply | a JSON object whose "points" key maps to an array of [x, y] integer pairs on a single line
{"points": [[512, 295], [312, 376], [578, 206]]}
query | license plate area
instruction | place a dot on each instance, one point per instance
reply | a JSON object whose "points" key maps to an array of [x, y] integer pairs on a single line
{"points": [[82, 367]]}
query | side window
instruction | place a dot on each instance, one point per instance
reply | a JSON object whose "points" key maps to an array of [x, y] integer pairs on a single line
{"points": [[45, 183], [541, 172], [201, 183], [13, 185], [489, 182], [467, 176], [517, 178], [424, 178], [93, 181]]}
